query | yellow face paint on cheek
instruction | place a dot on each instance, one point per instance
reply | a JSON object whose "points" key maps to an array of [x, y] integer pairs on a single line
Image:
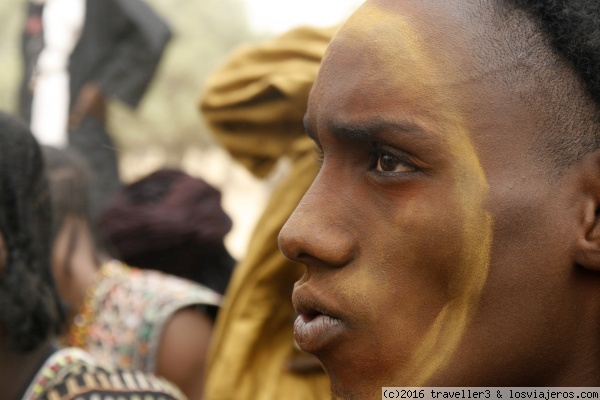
{"points": [[408, 68], [470, 272]]}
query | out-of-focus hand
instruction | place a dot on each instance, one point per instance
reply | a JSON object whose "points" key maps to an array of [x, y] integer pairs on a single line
{"points": [[90, 102]]}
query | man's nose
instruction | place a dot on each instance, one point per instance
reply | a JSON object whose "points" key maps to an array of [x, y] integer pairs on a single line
{"points": [[317, 232]]}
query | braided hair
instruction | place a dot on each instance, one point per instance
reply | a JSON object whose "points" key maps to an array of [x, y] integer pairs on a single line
{"points": [[30, 309]]}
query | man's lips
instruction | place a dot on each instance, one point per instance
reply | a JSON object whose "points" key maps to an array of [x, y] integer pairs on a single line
{"points": [[316, 326]]}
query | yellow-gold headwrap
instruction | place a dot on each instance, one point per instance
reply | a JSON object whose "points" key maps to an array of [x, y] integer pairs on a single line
{"points": [[254, 103]]}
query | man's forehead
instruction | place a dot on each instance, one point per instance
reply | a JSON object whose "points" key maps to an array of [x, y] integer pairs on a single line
{"points": [[431, 41], [378, 52], [419, 17], [451, 29]]}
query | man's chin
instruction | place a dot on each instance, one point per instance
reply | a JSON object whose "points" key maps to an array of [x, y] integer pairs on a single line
{"points": [[350, 379], [356, 391]]}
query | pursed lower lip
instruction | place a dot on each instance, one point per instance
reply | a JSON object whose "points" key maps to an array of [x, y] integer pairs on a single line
{"points": [[315, 332]]}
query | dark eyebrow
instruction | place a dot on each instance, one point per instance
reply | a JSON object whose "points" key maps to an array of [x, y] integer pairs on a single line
{"points": [[363, 130], [371, 128]]}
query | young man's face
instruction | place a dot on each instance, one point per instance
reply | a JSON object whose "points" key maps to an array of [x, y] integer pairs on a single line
{"points": [[437, 249]]}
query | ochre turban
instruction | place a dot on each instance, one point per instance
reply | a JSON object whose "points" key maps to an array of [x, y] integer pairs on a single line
{"points": [[254, 104]]}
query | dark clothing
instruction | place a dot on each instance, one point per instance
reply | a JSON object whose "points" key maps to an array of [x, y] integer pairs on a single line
{"points": [[32, 45], [120, 47], [95, 144]]}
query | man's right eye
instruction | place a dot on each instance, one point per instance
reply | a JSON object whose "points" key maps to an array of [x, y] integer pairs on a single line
{"points": [[389, 163], [386, 162]]}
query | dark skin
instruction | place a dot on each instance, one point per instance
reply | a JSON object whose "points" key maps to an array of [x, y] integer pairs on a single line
{"points": [[438, 250], [17, 368], [305, 364], [183, 349]]}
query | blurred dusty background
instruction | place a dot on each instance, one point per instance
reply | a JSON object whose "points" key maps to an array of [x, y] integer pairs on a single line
{"points": [[167, 129]]}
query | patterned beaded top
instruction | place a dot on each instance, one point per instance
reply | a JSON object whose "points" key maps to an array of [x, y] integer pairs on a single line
{"points": [[124, 313], [72, 374]]}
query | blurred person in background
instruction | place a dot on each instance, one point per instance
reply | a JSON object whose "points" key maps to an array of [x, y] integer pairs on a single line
{"points": [[170, 222], [254, 105], [125, 317], [77, 54], [31, 365]]}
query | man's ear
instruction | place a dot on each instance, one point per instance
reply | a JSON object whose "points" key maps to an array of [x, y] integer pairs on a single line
{"points": [[587, 249]]}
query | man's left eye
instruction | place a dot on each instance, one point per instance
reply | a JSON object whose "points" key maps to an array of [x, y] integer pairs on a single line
{"points": [[389, 163]]}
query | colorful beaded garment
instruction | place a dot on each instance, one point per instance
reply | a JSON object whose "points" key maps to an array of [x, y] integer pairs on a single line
{"points": [[72, 374], [123, 316]]}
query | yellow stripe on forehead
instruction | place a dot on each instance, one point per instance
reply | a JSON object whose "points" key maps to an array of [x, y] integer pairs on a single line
{"points": [[397, 42], [393, 35]]}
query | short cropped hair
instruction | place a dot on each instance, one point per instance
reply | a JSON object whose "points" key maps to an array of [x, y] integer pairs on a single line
{"points": [[30, 309], [568, 68], [573, 27]]}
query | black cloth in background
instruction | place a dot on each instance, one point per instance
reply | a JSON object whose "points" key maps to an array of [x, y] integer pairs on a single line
{"points": [[171, 222]]}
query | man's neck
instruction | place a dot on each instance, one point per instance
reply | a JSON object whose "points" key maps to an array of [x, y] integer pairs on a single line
{"points": [[18, 369]]}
